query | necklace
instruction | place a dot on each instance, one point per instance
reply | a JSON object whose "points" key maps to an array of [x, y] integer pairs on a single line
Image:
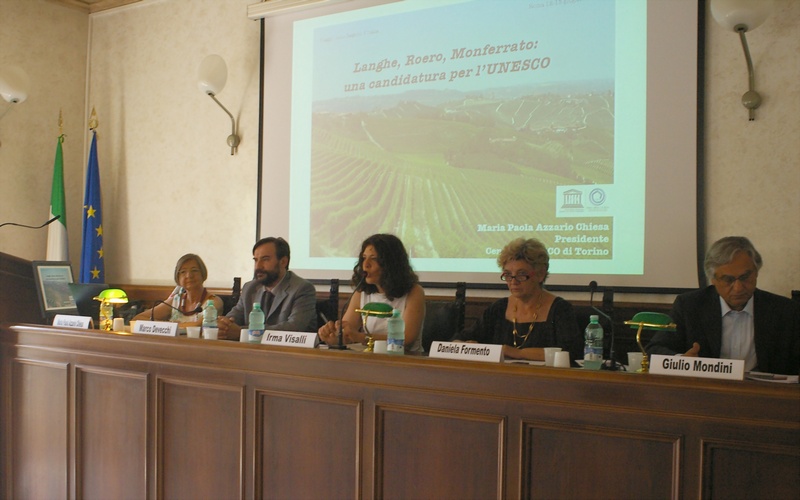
{"points": [[516, 333], [530, 328]]}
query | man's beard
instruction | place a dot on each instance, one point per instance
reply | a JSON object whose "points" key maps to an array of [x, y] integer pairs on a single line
{"points": [[267, 278]]}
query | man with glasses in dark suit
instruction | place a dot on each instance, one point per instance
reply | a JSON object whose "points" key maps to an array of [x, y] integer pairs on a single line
{"points": [[732, 319]]}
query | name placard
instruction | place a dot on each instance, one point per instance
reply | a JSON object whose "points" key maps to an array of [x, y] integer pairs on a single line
{"points": [[292, 339], [73, 321], [686, 366], [163, 328], [488, 353]]}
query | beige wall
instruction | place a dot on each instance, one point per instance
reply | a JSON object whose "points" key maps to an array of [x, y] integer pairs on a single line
{"points": [[170, 185], [49, 42], [753, 168]]}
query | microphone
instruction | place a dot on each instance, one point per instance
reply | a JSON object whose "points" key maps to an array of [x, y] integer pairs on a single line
{"points": [[179, 291], [608, 301], [340, 345], [31, 227], [175, 292]]}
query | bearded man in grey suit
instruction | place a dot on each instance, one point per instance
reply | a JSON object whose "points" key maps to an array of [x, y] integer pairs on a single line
{"points": [[288, 301], [733, 319]]}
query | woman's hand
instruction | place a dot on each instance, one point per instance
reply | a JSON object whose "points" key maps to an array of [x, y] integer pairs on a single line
{"points": [[529, 353], [329, 332]]}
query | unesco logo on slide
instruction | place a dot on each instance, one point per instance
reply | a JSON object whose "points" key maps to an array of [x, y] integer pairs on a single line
{"points": [[597, 197], [573, 200]]}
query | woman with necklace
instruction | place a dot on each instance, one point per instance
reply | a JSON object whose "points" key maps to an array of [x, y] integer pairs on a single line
{"points": [[190, 276], [531, 318]]}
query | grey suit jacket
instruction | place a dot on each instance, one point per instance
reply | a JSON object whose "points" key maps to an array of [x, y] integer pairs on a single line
{"points": [[698, 315], [294, 307]]}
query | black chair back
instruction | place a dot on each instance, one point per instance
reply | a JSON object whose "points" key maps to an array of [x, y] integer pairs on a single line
{"points": [[228, 301], [328, 309], [443, 319]]}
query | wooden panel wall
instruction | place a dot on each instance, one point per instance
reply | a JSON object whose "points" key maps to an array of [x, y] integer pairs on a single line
{"points": [[96, 415], [110, 433], [331, 427], [37, 393]]}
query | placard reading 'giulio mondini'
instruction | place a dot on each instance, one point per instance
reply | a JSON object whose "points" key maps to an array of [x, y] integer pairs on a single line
{"points": [[684, 366]]}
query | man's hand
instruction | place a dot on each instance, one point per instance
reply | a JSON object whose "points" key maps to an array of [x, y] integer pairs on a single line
{"points": [[694, 351], [227, 328]]}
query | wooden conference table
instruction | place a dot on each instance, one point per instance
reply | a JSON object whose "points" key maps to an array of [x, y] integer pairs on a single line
{"points": [[87, 414]]}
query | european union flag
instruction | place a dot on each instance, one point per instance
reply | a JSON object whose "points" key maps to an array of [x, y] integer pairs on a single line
{"points": [[92, 268]]}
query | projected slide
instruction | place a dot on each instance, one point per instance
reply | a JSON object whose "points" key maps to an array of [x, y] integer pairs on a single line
{"points": [[461, 125]]}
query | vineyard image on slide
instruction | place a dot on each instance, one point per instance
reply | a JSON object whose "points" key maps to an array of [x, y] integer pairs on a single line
{"points": [[453, 173]]}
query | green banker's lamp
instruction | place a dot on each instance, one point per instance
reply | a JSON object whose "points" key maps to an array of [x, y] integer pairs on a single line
{"points": [[377, 309], [650, 321], [108, 298]]}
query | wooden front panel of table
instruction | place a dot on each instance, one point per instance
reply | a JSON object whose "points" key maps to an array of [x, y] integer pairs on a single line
{"points": [[95, 415]]}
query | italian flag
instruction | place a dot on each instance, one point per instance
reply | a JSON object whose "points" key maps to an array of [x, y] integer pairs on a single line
{"points": [[57, 231]]}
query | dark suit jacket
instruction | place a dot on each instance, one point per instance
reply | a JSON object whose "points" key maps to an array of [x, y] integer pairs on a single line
{"points": [[294, 307], [698, 315]]}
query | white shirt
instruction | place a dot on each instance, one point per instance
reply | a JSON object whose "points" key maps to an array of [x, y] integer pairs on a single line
{"points": [[380, 325], [738, 331]]}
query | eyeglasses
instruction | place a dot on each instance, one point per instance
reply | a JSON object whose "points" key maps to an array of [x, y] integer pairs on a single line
{"points": [[729, 280], [186, 272], [520, 278]]}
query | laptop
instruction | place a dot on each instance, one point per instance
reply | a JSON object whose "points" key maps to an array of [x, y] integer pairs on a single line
{"points": [[84, 294]]}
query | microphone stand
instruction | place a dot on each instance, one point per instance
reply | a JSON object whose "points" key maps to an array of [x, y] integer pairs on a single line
{"points": [[31, 227], [339, 346], [196, 310], [609, 364]]}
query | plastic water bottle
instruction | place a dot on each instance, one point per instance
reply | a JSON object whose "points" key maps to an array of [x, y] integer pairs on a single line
{"points": [[395, 333], [176, 304], [256, 324], [209, 316], [593, 349]]}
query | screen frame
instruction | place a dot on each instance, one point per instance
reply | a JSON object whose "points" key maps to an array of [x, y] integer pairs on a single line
{"points": [[45, 289], [699, 183]]}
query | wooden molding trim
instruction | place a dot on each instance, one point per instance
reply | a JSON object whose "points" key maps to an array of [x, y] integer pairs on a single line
{"points": [[92, 6]]}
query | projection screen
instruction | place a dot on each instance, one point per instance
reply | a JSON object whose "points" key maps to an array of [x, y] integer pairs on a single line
{"points": [[459, 125]]}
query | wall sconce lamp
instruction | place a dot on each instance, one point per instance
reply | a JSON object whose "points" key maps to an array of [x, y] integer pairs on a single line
{"points": [[14, 83], [108, 298], [742, 16], [378, 309], [211, 78], [649, 321]]}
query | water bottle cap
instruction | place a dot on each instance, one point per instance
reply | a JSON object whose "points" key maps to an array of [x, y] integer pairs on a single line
{"points": [[209, 302], [594, 318], [396, 313]]}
